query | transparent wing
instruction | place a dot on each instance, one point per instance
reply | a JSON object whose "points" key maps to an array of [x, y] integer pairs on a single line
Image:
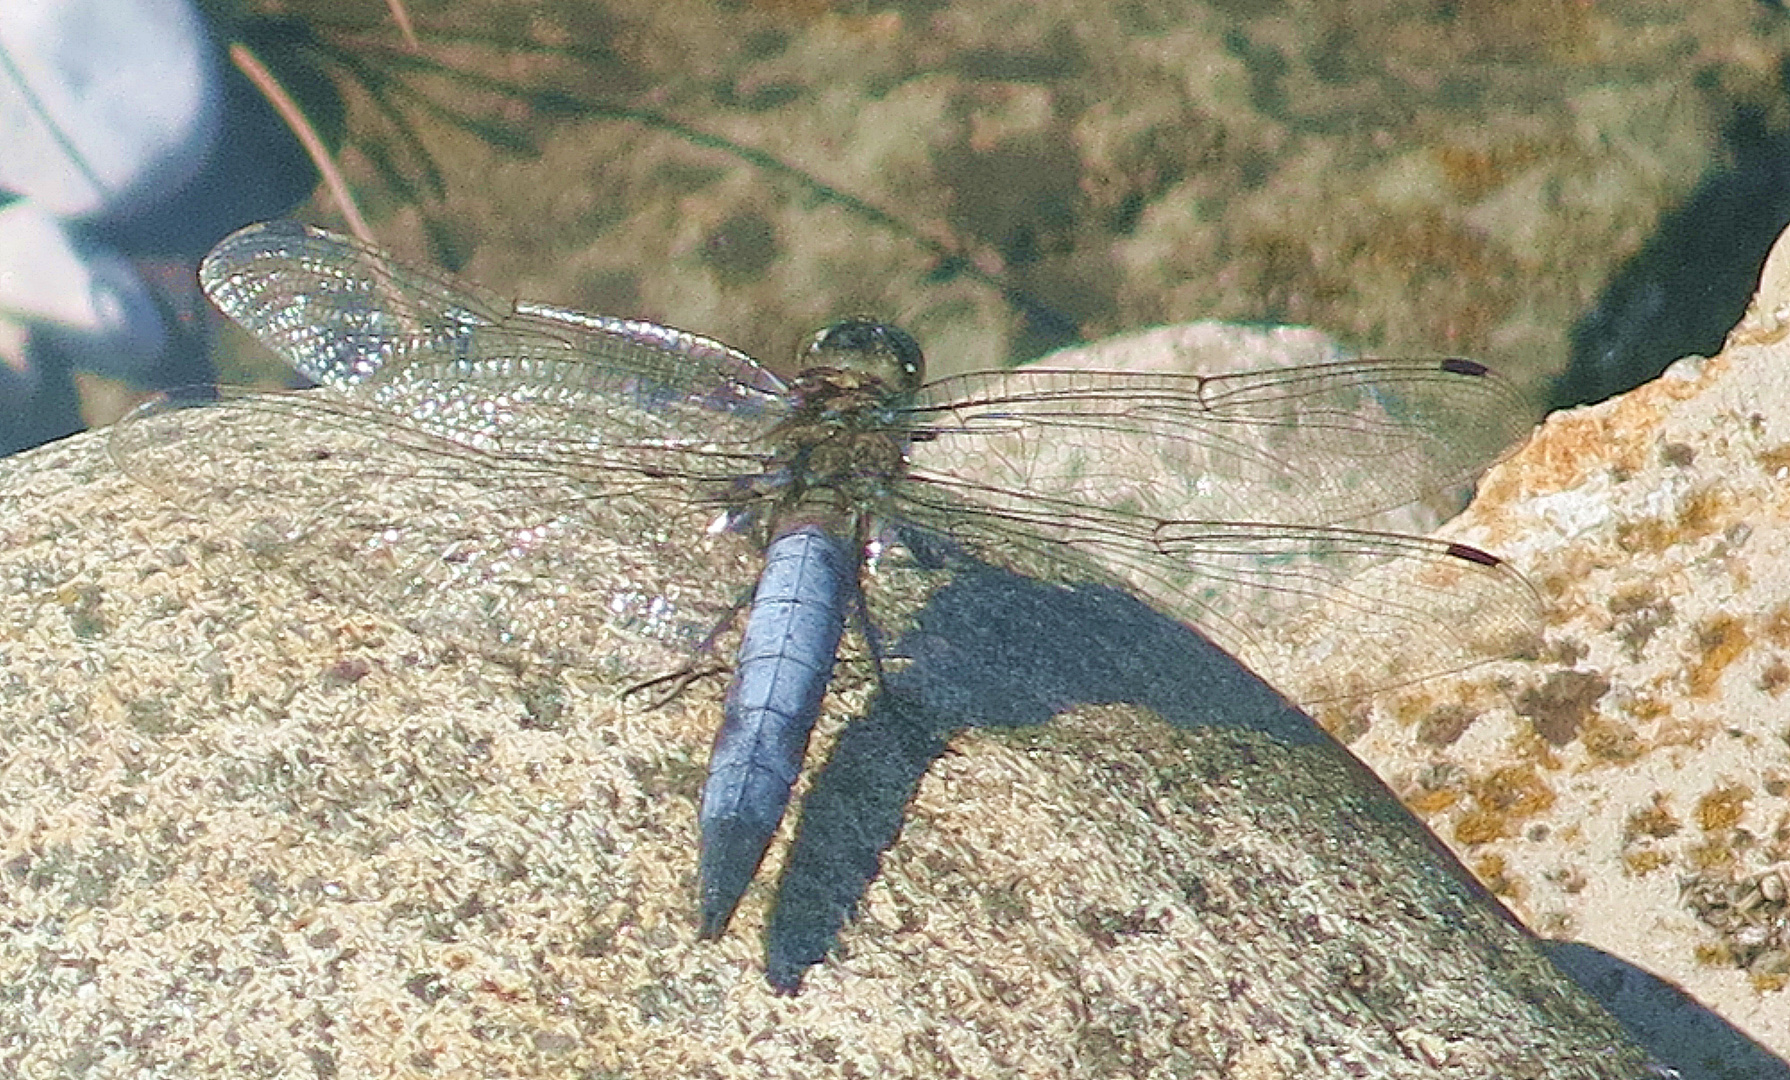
{"points": [[464, 364], [1274, 595], [1323, 444], [1225, 502], [509, 476], [509, 555]]}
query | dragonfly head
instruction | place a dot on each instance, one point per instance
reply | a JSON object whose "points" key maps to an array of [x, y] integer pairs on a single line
{"points": [[884, 352]]}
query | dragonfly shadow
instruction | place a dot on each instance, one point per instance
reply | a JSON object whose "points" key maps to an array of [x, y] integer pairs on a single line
{"points": [[979, 660]]}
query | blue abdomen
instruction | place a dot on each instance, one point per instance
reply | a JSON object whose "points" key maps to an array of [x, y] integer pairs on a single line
{"points": [[785, 663]]}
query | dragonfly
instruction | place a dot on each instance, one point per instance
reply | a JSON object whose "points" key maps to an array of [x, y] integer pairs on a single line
{"points": [[540, 483]]}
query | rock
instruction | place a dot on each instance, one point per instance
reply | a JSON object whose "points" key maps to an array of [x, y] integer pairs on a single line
{"points": [[252, 832], [1629, 785]]}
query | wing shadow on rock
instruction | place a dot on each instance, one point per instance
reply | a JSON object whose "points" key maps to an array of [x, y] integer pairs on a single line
{"points": [[978, 659]]}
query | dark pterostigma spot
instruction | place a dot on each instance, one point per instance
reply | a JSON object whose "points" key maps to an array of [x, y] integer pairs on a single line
{"points": [[1474, 555]]}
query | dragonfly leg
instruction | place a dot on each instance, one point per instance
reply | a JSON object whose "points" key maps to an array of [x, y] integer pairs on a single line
{"points": [[669, 686], [679, 679], [873, 641]]}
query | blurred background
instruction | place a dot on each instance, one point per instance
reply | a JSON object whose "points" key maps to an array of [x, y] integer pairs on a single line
{"points": [[1575, 191]]}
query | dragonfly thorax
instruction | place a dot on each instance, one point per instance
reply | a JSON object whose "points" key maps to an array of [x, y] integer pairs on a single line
{"points": [[840, 447], [844, 444]]}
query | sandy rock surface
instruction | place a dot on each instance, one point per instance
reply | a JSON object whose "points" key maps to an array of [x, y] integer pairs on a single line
{"points": [[250, 831]]}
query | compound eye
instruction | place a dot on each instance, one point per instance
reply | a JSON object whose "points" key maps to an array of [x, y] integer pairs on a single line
{"points": [[876, 348]]}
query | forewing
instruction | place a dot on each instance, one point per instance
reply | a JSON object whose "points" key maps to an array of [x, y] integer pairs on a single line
{"points": [[1324, 444], [460, 362], [509, 555]]}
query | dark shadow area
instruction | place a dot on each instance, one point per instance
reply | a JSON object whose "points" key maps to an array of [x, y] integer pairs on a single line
{"points": [[37, 405], [1692, 281], [1666, 1020], [977, 659]]}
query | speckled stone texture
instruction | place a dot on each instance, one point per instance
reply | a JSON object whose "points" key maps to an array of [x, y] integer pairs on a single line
{"points": [[1629, 786], [248, 832]]}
